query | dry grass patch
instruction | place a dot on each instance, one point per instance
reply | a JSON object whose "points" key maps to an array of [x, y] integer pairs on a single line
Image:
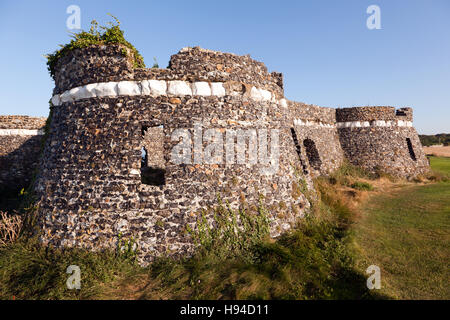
{"points": [[437, 151], [10, 227]]}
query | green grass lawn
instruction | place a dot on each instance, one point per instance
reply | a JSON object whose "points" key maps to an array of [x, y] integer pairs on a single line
{"points": [[440, 164], [406, 232]]}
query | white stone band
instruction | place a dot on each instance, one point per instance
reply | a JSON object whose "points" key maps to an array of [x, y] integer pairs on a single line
{"points": [[353, 124], [311, 123], [155, 88], [376, 123], [21, 132]]}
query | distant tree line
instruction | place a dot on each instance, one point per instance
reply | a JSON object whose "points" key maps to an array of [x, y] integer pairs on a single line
{"points": [[429, 140]]}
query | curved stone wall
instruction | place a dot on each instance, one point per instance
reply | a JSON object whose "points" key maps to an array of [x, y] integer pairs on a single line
{"points": [[236, 143], [98, 63], [114, 63], [20, 144], [373, 113], [376, 138]]}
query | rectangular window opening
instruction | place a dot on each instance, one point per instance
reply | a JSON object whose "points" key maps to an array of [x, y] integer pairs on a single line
{"points": [[152, 156]]}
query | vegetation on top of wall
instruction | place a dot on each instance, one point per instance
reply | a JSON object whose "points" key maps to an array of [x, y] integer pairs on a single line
{"points": [[155, 63], [110, 34]]}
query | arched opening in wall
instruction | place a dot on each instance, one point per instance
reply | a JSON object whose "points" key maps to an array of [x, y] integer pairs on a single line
{"points": [[412, 154], [312, 154], [299, 150], [152, 156]]}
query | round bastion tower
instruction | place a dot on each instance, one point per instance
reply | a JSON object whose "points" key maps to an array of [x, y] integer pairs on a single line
{"points": [[381, 139], [140, 152]]}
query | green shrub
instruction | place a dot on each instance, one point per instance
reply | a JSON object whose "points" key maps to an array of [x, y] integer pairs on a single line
{"points": [[231, 232], [112, 34], [155, 63], [429, 140]]}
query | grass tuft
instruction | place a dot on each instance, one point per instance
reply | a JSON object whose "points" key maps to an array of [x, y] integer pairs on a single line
{"points": [[363, 186]]}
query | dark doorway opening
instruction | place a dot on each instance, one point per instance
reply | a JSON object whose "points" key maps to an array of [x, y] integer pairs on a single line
{"points": [[152, 156]]}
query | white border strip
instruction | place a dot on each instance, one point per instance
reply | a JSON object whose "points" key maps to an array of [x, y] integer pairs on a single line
{"points": [[353, 124], [376, 123], [311, 123], [21, 132], [155, 88]]}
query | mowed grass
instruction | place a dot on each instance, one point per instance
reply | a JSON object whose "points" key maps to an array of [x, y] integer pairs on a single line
{"points": [[440, 164], [406, 232]]}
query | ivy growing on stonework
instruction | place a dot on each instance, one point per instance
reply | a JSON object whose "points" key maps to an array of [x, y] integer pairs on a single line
{"points": [[111, 34]]}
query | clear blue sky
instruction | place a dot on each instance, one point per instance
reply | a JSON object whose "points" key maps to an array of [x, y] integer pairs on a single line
{"points": [[327, 54]]}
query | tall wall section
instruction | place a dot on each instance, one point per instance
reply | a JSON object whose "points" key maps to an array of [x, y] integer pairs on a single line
{"points": [[315, 134], [20, 145], [381, 139], [109, 158]]}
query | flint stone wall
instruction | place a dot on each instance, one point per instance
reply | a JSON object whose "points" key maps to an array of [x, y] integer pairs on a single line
{"points": [[105, 112], [20, 144], [373, 113], [90, 185], [113, 63], [318, 140], [90, 180], [384, 148]]}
